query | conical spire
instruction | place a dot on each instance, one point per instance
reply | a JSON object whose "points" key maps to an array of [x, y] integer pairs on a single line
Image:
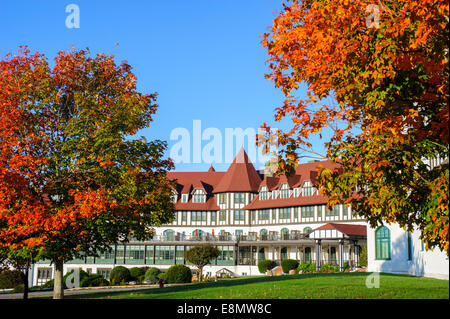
{"points": [[241, 176], [211, 169]]}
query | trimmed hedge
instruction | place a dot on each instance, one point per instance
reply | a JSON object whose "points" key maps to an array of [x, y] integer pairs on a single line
{"points": [[265, 265], [178, 274], [119, 274], [10, 279], [289, 264]]}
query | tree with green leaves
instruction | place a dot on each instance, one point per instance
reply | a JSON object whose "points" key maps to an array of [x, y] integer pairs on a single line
{"points": [[74, 179], [201, 256]]}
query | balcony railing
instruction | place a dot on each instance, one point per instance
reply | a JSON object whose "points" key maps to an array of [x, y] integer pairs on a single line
{"points": [[229, 238]]}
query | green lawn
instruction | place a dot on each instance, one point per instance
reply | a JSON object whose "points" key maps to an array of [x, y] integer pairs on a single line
{"points": [[314, 286]]}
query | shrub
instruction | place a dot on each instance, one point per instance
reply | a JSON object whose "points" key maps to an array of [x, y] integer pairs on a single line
{"points": [[10, 279], [162, 275], [329, 268], [119, 274], [307, 268], [94, 280], [265, 265], [152, 275], [289, 264], [178, 274], [137, 274], [18, 289]]}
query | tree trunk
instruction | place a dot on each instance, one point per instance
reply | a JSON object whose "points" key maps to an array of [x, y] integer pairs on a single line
{"points": [[58, 288], [200, 274], [25, 282]]}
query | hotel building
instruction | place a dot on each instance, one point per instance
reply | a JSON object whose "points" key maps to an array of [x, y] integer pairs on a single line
{"points": [[250, 216]]}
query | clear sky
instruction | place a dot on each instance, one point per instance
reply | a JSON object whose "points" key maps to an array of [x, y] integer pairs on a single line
{"points": [[203, 57]]}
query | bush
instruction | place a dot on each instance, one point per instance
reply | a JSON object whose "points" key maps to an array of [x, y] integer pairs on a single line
{"points": [[152, 275], [307, 268], [119, 274], [18, 289], [10, 279], [94, 280], [289, 264], [163, 276], [329, 268], [265, 265], [177, 274], [137, 274]]}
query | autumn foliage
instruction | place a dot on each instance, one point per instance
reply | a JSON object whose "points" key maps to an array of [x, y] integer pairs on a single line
{"points": [[72, 180], [381, 86]]}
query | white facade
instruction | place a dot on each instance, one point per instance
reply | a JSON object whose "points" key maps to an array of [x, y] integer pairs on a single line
{"points": [[420, 262]]}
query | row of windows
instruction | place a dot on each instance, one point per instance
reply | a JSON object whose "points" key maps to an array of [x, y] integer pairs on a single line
{"points": [[285, 213], [285, 192]]}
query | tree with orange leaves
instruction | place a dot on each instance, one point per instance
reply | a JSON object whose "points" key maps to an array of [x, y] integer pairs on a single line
{"points": [[376, 74], [72, 180]]}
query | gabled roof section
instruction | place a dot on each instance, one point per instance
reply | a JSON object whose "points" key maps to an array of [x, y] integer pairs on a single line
{"points": [[241, 176]]}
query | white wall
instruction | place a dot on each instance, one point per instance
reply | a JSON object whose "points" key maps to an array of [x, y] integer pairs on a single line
{"points": [[423, 263]]}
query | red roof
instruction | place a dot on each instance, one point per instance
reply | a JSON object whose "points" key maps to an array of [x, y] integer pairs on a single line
{"points": [[351, 230], [241, 176], [303, 172]]}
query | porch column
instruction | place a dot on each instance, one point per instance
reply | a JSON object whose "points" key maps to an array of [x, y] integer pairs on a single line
{"points": [[356, 253], [318, 253], [341, 255]]}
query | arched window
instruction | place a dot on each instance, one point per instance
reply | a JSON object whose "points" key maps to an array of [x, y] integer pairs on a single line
{"points": [[382, 243], [307, 230], [285, 233], [169, 235], [263, 234], [198, 233]]}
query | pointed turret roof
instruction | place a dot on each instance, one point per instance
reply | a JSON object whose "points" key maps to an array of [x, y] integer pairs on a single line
{"points": [[211, 169], [241, 176]]}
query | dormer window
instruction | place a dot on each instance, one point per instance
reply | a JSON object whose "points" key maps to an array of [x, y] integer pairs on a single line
{"points": [[296, 192], [174, 197], [284, 193], [263, 194], [199, 196], [184, 198], [307, 189], [274, 194]]}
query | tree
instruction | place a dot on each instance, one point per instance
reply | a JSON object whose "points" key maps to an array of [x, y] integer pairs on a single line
{"points": [[73, 180], [376, 75], [201, 256]]}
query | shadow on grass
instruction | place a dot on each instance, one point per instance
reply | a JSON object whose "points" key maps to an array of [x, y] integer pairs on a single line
{"points": [[223, 283]]}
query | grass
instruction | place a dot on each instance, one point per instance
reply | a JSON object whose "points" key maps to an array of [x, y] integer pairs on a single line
{"points": [[313, 286]]}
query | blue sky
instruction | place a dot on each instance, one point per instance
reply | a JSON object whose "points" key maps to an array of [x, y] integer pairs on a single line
{"points": [[203, 57]]}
